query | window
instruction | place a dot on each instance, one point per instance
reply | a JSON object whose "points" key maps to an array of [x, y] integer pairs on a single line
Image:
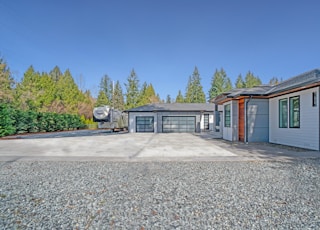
{"points": [[314, 99], [227, 115], [178, 124], [206, 121], [283, 113], [294, 112], [144, 124]]}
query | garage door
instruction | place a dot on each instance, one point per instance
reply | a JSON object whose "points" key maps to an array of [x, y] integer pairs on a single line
{"points": [[144, 124], [178, 124]]}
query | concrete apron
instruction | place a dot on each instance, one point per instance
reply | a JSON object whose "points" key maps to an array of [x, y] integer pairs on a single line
{"points": [[128, 147]]}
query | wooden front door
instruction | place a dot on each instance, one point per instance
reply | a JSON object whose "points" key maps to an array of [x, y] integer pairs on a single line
{"points": [[241, 120]]}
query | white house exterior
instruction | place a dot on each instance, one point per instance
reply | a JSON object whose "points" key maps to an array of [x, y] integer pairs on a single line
{"points": [[306, 133], [287, 113]]}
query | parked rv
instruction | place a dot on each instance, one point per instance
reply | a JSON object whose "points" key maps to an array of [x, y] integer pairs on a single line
{"points": [[110, 118]]}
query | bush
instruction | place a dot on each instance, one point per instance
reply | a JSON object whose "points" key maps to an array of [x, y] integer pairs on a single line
{"points": [[7, 120], [17, 121]]}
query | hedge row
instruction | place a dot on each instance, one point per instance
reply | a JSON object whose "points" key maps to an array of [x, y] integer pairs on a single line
{"points": [[14, 121]]}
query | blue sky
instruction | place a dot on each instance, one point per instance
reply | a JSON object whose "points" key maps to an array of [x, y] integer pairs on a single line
{"points": [[163, 40]]}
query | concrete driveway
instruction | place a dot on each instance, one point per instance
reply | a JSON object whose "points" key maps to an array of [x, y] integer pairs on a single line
{"points": [[141, 147], [113, 147]]}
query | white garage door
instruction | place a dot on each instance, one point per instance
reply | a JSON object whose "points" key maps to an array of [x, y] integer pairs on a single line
{"points": [[179, 124]]}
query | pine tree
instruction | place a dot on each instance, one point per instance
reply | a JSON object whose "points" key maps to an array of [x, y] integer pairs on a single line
{"points": [[143, 98], [6, 83], [55, 74], [106, 86], [220, 83], [151, 94], [68, 92], [118, 100], [239, 82], [180, 98], [168, 99], [132, 94], [102, 99], [28, 90], [274, 81], [47, 92], [147, 95], [194, 92], [251, 80]]}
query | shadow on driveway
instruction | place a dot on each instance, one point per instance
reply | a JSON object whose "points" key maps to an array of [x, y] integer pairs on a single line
{"points": [[262, 150]]}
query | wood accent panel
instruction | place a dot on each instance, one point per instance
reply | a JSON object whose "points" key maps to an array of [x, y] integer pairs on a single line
{"points": [[241, 120]]}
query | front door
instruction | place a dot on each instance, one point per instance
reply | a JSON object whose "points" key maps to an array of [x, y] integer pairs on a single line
{"points": [[241, 120]]}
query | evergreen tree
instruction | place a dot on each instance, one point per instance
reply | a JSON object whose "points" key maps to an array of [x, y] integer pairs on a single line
{"points": [[55, 74], [251, 80], [158, 99], [194, 92], [143, 98], [147, 95], [6, 83], [106, 86], [220, 83], [180, 98], [47, 92], [274, 81], [168, 99], [68, 93], [132, 93], [28, 90], [118, 100], [239, 82], [151, 94], [102, 99]]}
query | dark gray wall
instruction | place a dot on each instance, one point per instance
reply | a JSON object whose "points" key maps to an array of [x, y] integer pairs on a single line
{"points": [[258, 120]]}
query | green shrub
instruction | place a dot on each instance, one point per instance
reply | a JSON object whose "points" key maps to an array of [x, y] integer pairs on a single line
{"points": [[18, 121], [7, 120]]}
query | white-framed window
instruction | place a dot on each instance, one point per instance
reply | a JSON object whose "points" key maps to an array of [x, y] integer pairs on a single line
{"points": [[294, 104], [227, 115], [283, 113]]}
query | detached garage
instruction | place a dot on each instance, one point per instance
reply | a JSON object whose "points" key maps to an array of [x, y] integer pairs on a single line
{"points": [[171, 118]]}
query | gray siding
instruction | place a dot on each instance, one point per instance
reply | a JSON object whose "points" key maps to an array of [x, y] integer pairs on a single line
{"points": [[258, 120]]}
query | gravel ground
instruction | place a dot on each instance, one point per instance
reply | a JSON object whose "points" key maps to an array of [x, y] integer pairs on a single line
{"points": [[160, 195]]}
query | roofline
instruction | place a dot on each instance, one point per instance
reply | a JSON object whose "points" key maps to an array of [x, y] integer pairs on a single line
{"points": [[227, 99], [226, 96], [272, 95], [160, 110]]}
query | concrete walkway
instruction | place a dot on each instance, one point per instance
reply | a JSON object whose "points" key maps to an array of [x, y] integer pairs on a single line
{"points": [[143, 147]]}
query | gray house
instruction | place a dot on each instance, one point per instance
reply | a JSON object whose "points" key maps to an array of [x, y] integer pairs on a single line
{"points": [[168, 118], [287, 113]]}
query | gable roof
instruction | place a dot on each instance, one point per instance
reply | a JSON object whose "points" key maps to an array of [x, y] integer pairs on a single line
{"points": [[303, 80], [174, 107]]}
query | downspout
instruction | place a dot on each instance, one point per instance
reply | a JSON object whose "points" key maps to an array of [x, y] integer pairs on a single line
{"points": [[317, 101], [247, 102]]}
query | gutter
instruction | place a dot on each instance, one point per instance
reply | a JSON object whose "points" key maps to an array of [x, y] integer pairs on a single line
{"points": [[247, 102]]}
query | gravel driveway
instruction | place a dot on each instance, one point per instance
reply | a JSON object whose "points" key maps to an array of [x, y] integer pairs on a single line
{"points": [[160, 195]]}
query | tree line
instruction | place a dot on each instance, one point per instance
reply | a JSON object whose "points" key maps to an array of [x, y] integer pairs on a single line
{"points": [[58, 92]]}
